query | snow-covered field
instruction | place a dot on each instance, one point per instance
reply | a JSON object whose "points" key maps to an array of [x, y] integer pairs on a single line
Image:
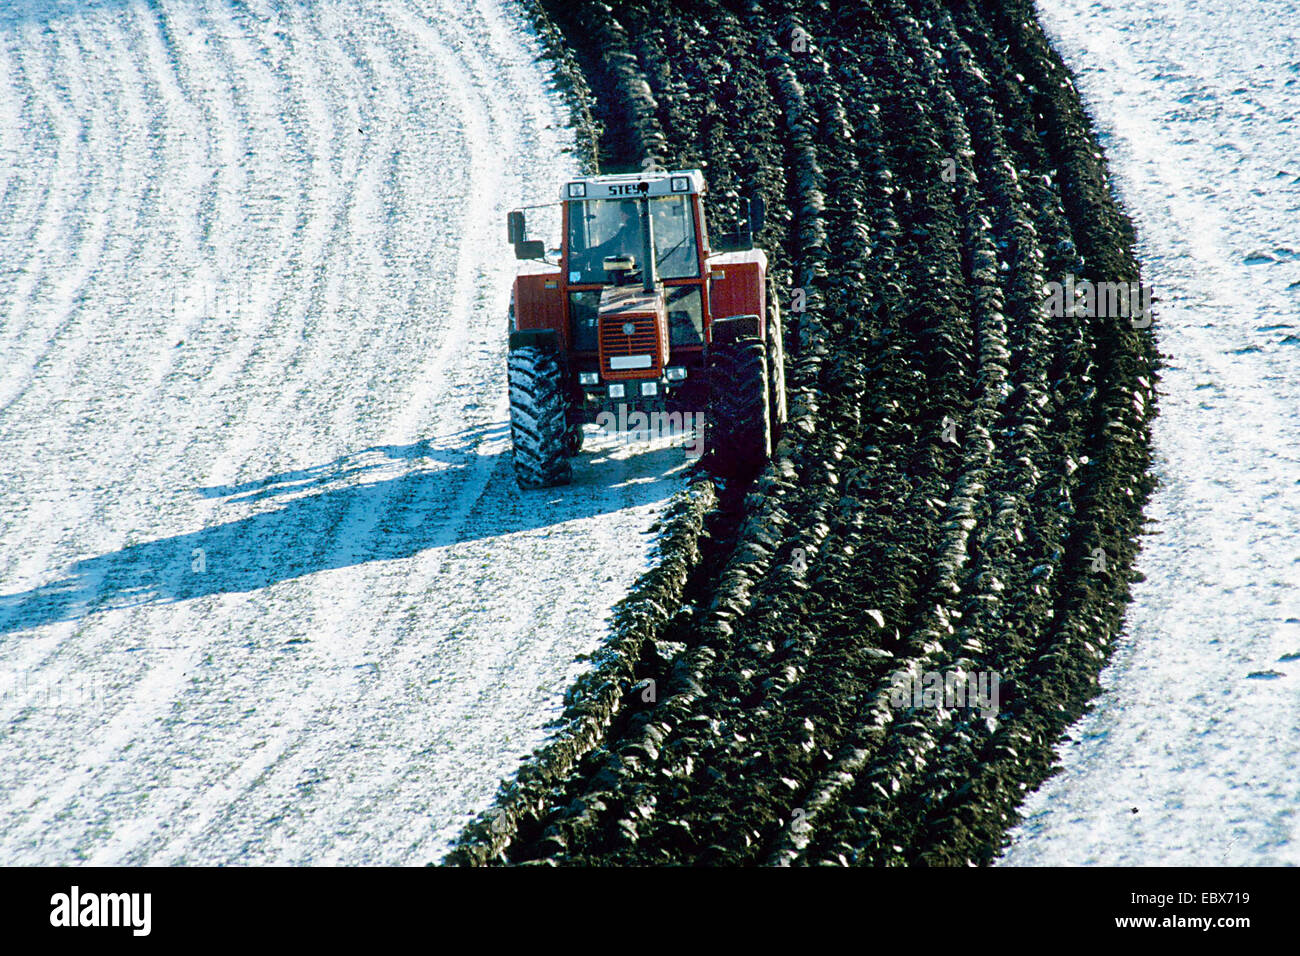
{"points": [[1193, 753], [268, 591]]}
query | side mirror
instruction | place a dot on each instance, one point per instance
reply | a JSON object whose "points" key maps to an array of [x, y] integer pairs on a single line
{"points": [[757, 209], [530, 249], [734, 242], [752, 212], [515, 227]]}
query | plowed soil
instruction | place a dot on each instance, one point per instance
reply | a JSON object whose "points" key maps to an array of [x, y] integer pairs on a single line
{"points": [[961, 484]]}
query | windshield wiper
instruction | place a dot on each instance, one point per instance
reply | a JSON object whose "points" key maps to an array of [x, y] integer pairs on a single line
{"points": [[669, 254]]}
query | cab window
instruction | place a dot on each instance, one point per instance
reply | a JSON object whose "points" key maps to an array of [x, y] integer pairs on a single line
{"points": [[674, 229], [600, 228], [685, 315], [608, 227]]}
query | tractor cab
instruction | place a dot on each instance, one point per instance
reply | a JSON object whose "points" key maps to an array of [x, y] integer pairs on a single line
{"points": [[649, 239]]}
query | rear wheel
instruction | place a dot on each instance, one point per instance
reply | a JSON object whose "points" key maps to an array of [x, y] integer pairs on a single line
{"points": [[777, 411], [738, 429], [539, 421]]}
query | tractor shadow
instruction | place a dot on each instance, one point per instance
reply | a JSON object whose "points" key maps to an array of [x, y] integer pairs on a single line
{"points": [[383, 503]]}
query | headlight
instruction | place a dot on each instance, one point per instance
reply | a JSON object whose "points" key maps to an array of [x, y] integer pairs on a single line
{"points": [[588, 378], [649, 388], [616, 390], [675, 373]]}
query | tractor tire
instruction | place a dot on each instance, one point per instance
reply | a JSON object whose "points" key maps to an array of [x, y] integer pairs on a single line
{"points": [[539, 420], [738, 435], [778, 412]]}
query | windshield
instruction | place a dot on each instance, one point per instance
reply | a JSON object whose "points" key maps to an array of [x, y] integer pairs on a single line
{"points": [[612, 227]]}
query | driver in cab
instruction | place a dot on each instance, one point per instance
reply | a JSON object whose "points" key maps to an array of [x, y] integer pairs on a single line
{"points": [[626, 239]]}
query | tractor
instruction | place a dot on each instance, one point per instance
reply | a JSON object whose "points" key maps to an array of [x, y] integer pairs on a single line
{"points": [[641, 312]]}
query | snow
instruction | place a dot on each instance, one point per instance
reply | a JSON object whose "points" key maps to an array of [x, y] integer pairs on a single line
{"points": [[1192, 755], [268, 590]]}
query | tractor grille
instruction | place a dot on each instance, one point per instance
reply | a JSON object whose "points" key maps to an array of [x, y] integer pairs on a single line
{"points": [[615, 343]]}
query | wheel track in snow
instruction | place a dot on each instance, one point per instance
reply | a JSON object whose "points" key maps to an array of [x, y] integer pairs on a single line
{"points": [[314, 303], [350, 525]]}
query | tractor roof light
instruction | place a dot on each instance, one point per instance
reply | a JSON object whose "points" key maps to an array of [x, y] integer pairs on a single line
{"points": [[577, 190], [681, 184]]}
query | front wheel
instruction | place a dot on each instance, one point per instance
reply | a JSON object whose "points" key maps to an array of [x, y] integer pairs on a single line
{"points": [[539, 421], [575, 438]]}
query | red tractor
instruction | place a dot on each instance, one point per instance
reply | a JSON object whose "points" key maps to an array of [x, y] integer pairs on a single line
{"points": [[641, 313]]}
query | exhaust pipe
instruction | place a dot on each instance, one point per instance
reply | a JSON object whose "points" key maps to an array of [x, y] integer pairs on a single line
{"points": [[650, 270]]}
